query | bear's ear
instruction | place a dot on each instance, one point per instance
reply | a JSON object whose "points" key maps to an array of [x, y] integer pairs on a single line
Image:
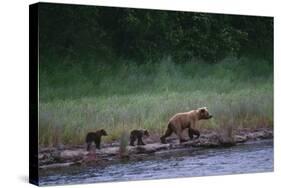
{"points": [[202, 110], [146, 132], [104, 132]]}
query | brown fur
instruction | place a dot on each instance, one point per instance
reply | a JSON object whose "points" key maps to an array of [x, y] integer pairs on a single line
{"points": [[138, 135], [95, 137], [181, 121]]}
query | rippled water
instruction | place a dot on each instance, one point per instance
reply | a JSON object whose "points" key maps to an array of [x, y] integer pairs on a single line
{"points": [[246, 158]]}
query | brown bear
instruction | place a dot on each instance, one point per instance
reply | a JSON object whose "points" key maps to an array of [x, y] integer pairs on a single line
{"points": [[95, 137], [137, 135], [181, 121]]}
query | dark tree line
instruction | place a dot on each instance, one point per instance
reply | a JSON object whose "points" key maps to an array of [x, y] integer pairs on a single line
{"points": [[75, 32]]}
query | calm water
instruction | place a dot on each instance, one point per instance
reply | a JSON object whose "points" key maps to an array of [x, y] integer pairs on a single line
{"points": [[246, 158]]}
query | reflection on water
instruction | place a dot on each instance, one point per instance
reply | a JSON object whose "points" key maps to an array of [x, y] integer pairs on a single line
{"points": [[246, 158]]}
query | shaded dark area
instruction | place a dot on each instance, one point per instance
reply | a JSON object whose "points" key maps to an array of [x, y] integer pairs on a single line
{"points": [[72, 33]]}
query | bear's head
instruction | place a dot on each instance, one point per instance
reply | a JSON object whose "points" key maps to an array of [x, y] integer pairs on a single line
{"points": [[145, 132], [203, 113], [103, 132]]}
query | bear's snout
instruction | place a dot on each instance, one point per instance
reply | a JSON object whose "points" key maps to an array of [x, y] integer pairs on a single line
{"points": [[210, 116]]}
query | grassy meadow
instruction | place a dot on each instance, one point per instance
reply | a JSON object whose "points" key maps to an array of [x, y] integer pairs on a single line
{"points": [[120, 96]]}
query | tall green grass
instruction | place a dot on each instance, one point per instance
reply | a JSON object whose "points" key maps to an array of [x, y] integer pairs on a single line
{"points": [[118, 96]]}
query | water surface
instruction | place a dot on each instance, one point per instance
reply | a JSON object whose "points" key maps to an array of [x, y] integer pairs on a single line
{"points": [[246, 158]]}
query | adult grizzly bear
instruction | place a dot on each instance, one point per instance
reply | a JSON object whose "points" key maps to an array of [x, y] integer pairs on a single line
{"points": [[95, 137], [181, 121]]}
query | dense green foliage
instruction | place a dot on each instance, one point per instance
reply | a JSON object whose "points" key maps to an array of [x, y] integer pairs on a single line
{"points": [[72, 33], [123, 78]]}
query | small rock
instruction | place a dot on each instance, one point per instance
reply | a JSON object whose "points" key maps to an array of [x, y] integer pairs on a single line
{"points": [[240, 139], [57, 165], [148, 148], [227, 141], [72, 153], [108, 151]]}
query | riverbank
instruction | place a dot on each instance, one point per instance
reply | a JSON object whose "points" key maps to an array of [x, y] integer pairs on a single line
{"points": [[51, 158]]}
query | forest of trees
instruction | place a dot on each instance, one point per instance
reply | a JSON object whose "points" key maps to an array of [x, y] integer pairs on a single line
{"points": [[78, 32]]}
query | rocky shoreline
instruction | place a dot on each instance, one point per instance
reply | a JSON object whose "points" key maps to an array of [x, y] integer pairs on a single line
{"points": [[50, 158]]}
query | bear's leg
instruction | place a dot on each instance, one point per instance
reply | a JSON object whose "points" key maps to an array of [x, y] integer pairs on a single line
{"points": [[168, 133], [132, 140], [140, 142], [89, 144], [97, 142], [192, 132], [179, 133], [182, 139], [197, 133]]}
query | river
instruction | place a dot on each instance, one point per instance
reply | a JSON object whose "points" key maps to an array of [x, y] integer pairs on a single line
{"points": [[250, 157]]}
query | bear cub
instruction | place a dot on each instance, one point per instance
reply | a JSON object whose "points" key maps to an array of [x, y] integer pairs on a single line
{"points": [[95, 137], [138, 135]]}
